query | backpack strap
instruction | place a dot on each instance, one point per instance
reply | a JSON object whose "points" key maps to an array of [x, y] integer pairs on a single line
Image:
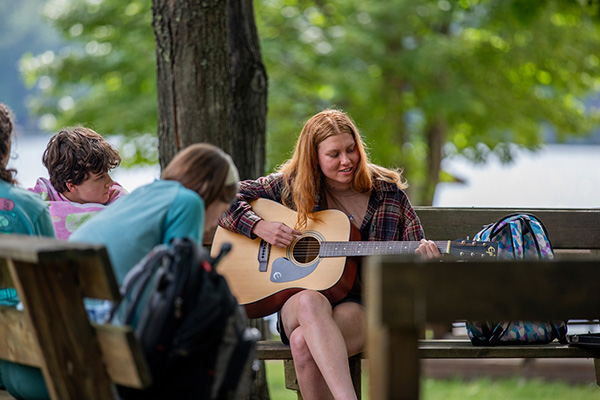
{"points": [[543, 227], [527, 223], [560, 331], [133, 275], [140, 273], [494, 335]]}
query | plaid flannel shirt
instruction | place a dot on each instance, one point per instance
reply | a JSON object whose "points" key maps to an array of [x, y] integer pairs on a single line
{"points": [[390, 216]]}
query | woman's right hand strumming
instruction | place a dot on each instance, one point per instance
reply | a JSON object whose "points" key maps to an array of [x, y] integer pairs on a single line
{"points": [[276, 233]]}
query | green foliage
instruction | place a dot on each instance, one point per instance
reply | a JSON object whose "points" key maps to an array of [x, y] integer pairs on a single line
{"points": [[482, 73], [489, 73], [104, 77]]}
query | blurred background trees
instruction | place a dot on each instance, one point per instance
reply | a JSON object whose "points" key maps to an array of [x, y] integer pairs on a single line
{"points": [[423, 79], [103, 75], [426, 79]]}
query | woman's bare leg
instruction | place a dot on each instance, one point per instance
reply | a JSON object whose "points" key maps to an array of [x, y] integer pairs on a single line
{"points": [[321, 341]]}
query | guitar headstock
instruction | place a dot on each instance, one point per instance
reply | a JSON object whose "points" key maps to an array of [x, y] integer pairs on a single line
{"points": [[471, 249]]}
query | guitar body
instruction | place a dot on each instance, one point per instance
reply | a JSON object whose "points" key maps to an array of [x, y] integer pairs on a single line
{"points": [[262, 277], [263, 286]]}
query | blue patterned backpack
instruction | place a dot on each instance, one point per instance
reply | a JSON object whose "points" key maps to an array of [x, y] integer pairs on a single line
{"points": [[519, 236]]}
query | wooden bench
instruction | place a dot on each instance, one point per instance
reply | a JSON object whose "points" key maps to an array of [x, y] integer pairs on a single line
{"points": [[79, 360], [402, 295], [574, 233], [82, 360]]}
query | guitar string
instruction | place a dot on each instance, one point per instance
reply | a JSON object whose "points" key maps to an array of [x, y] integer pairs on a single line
{"points": [[312, 248]]}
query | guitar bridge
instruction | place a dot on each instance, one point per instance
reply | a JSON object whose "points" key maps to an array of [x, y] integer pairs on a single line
{"points": [[264, 249]]}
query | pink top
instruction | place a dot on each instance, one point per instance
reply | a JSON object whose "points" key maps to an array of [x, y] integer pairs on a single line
{"points": [[67, 215]]}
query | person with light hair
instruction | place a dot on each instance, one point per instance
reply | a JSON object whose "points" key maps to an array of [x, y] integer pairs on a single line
{"points": [[195, 188], [329, 169]]}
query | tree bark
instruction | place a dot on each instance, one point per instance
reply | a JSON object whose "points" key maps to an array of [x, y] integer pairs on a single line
{"points": [[436, 133], [192, 67], [248, 112], [248, 91], [212, 87]]}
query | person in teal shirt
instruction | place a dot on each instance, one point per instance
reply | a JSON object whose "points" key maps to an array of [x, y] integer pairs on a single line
{"points": [[24, 213], [21, 212], [196, 187]]}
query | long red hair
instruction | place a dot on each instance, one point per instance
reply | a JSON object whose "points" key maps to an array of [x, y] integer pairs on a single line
{"points": [[303, 176]]}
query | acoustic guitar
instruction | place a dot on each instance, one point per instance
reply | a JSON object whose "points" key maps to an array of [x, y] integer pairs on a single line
{"points": [[262, 277]]}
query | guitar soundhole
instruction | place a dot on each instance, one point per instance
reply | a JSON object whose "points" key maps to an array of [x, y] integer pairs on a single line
{"points": [[306, 250]]}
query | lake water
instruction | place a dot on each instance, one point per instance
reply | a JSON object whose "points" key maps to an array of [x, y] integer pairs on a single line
{"points": [[558, 176], [26, 158], [555, 177]]}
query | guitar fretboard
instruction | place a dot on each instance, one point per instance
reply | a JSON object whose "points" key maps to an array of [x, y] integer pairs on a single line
{"points": [[348, 249]]}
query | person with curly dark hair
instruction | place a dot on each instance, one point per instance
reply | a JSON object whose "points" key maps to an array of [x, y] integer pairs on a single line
{"points": [[78, 161], [195, 188]]}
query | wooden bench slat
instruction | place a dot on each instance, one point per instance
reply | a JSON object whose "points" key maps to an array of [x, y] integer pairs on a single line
{"points": [[273, 350], [17, 341], [456, 348], [90, 261], [443, 284], [123, 356], [55, 311], [565, 226], [464, 349], [33, 248], [120, 350]]}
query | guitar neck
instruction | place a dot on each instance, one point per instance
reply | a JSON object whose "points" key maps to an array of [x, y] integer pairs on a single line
{"points": [[348, 249]]}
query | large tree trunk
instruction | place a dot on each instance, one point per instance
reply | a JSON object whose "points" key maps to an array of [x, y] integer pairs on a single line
{"points": [[248, 88], [248, 94], [212, 87], [193, 81]]}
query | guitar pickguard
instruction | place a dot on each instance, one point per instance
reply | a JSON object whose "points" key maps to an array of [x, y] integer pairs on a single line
{"points": [[284, 270]]}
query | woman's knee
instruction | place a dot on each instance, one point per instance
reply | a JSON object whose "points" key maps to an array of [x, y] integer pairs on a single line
{"points": [[310, 305], [298, 346]]}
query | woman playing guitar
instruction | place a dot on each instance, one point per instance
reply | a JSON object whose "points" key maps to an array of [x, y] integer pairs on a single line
{"points": [[329, 169]]}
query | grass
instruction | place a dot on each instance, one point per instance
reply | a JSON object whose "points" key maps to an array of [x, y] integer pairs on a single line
{"points": [[456, 389], [513, 388]]}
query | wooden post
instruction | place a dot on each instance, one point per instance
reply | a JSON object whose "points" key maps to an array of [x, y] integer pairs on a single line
{"points": [[356, 374], [392, 351], [72, 364]]}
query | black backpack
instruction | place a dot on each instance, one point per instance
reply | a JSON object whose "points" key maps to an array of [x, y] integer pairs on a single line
{"points": [[193, 332]]}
